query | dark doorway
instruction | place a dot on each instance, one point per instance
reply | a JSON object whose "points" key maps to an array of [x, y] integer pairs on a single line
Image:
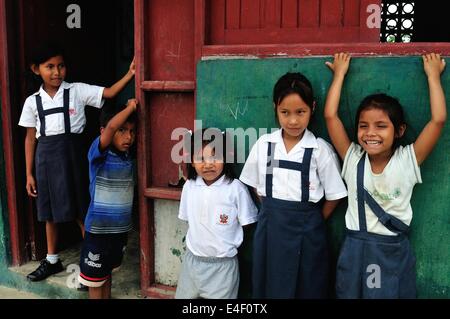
{"points": [[98, 39]]}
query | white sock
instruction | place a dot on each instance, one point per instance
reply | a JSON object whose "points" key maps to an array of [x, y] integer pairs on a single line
{"points": [[53, 259]]}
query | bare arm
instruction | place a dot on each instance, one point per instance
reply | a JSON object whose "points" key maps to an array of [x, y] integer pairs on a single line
{"points": [[30, 146], [255, 194], [433, 66], [328, 207], [119, 85], [107, 133], [336, 129]]}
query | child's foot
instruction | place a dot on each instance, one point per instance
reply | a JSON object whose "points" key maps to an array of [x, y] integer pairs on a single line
{"points": [[45, 270]]}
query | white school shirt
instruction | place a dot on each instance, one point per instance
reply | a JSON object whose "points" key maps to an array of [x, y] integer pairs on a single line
{"points": [[324, 172], [81, 94], [216, 214], [392, 189]]}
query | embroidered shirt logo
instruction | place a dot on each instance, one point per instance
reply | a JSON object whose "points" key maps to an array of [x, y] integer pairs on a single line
{"points": [[72, 112], [223, 219]]}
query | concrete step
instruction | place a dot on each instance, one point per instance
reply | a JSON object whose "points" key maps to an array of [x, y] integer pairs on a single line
{"points": [[125, 284]]}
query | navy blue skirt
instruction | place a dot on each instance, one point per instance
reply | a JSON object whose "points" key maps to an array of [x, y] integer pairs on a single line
{"points": [[290, 255], [62, 178], [375, 266]]}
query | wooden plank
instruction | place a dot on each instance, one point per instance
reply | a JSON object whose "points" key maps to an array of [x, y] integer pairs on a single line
{"points": [[233, 14], [169, 39], [160, 292], [163, 193], [169, 112], [199, 30], [146, 227], [168, 86], [216, 22], [356, 49], [292, 35], [351, 13], [289, 14], [331, 12], [272, 14], [16, 240], [308, 13], [250, 14]]}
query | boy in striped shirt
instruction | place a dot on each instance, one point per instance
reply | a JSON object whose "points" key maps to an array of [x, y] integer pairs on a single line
{"points": [[111, 188]]}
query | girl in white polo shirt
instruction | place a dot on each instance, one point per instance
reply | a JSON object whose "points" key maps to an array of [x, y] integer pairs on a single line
{"points": [[292, 171], [54, 118], [216, 206]]}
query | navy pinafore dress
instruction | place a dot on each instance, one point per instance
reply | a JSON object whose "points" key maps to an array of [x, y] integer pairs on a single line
{"points": [[290, 258], [373, 265], [61, 170]]}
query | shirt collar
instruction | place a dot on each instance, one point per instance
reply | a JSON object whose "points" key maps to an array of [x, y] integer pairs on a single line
{"points": [[64, 85], [200, 182], [308, 140]]}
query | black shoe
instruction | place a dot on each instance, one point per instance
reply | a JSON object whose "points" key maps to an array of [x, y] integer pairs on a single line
{"points": [[44, 270]]}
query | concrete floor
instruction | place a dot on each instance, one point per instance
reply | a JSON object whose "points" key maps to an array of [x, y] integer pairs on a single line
{"points": [[11, 293], [126, 281]]}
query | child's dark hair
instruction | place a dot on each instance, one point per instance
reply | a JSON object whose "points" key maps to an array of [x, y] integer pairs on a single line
{"points": [[388, 104], [39, 55], [205, 140], [293, 83], [108, 113]]}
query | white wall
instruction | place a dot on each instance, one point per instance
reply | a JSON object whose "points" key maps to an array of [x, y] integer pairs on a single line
{"points": [[169, 241]]}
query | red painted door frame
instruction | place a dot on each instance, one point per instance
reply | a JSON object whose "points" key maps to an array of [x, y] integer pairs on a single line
{"points": [[7, 81]]}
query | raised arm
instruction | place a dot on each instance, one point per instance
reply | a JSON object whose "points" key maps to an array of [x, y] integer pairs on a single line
{"points": [[30, 146], [107, 133], [433, 66], [336, 129], [119, 85]]}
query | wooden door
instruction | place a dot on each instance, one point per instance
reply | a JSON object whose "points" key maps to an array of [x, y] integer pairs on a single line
{"points": [[94, 47]]}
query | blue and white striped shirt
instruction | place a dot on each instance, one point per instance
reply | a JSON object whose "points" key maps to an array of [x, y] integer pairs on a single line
{"points": [[111, 188]]}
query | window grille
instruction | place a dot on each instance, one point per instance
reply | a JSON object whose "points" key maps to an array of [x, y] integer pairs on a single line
{"points": [[397, 21]]}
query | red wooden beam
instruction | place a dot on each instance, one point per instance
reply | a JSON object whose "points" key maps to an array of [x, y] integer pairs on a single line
{"points": [[199, 30], [160, 291], [163, 193], [168, 86], [146, 223], [300, 50], [216, 24], [14, 222]]}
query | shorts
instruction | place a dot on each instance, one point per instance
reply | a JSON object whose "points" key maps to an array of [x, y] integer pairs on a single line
{"points": [[208, 277], [100, 254]]}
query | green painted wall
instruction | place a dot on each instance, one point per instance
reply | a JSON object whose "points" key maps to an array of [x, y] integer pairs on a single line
{"points": [[238, 93]]}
